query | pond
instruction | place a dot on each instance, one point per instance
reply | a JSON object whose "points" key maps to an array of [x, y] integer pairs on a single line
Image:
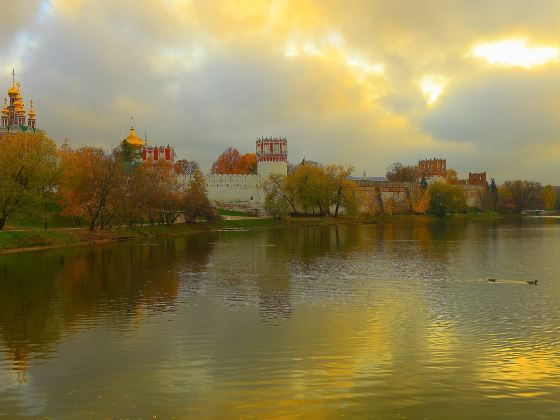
{"points": [[394, 320]]}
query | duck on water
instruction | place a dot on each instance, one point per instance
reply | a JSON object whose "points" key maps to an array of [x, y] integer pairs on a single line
{"points": [[531, 282]]}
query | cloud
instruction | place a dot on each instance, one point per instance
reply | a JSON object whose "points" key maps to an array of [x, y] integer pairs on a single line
{"points": [[341, 79]]}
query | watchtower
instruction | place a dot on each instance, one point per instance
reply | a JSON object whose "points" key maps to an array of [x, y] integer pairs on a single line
{"points": [[272, 156]]}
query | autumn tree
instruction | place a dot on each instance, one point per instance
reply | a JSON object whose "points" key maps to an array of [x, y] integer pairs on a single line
{"points": [[29, 165], [194, 203], [549, 198], [419, 199], [232, 162], [275, 204], [248, 164], [451, 176], [343, 190], [88, 176], [279, 194], [186, 167], [445, 198], [521, 195], [160, 191], [313, 191], [129, 195], [378, 200], [398, 172]]}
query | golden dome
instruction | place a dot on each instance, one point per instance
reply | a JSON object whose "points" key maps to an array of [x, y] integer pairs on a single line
{"points": [[19, 108], [133, 140], [13, 91], [5, 111], [32, 113]]}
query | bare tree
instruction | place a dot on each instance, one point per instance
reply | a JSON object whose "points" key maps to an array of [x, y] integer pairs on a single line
{"points": [[398, 172]]}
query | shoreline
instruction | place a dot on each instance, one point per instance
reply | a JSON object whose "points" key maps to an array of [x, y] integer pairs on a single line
{"points": [[28, 240]]}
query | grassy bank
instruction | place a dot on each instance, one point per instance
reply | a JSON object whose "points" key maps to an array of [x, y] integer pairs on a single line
{"points": [[32, 238]]}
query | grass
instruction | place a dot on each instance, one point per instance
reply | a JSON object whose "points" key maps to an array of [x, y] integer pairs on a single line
{"points": [[37, 238], [225, 212], [29, 239]]}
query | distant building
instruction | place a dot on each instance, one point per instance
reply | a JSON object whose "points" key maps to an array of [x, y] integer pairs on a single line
{"points": [[429, 168], [477, 178], [15, 119], [147, 152]]}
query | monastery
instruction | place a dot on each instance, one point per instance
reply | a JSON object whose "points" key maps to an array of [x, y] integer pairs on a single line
{"points": [[241, 190], [272, 158]]}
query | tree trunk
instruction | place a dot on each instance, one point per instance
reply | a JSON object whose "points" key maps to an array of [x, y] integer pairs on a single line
{"points": [[2, 222], [338, 194]]}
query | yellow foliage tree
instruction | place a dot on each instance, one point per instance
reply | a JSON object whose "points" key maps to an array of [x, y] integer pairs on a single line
{"points": [[28, 172]]}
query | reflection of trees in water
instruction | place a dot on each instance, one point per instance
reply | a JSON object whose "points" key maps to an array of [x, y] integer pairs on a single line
{"points": [[310, 242], [45, 293], [248, 267]]}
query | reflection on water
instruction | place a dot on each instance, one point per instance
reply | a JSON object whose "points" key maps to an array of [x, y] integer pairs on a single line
{"points": [[393, 320]]}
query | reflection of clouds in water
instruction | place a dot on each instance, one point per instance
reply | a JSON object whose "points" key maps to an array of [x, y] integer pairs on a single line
{"points": [[323, 323]]}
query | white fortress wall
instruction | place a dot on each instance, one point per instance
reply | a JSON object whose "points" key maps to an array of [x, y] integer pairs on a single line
{"points": [[267, 168], [272, 158], [234, 188]]}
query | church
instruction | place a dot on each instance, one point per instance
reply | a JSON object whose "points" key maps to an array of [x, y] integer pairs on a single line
{"points": [[15, 118], [155, 153]]}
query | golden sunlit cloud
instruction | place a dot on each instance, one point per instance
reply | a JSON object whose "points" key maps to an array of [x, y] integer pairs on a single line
{"points": [[364, 67], [432, 87], [515, 53], [332, 47]]}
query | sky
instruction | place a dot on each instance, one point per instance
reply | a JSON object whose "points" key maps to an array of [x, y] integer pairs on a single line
{"points": [[355, 82]]}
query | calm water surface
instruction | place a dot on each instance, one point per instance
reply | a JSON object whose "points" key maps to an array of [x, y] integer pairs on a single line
{"points": [[393, 321]]}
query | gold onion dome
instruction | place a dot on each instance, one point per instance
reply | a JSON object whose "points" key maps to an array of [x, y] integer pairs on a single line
{"points": [[133, 140], [13, 91], [32, 113], [5, 111], [20, 109]]}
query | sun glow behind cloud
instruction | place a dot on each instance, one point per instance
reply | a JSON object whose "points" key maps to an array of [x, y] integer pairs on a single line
{"points": [[432, 87], [515, 53]]}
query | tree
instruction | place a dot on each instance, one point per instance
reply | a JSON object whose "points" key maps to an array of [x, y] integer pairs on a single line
{"points": [[398, 172], [522, 195], [160, 191], [492, 195], [378, 200], [549, 198], [29, 164], [445, 198], [194, 203], [88, 177], [186, 167], [277, 190], [275, 203], [232, 162], [248, 164], [451, 176], [419, 199], [313, 191], [343, 189]]}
